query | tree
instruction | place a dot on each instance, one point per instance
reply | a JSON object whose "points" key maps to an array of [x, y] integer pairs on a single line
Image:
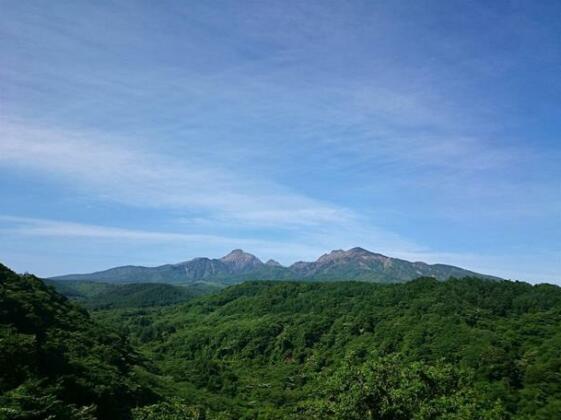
{"points": [[386, 388]]}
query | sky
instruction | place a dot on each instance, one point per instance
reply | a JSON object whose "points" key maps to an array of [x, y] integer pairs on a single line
{"points": [[141, 132]]}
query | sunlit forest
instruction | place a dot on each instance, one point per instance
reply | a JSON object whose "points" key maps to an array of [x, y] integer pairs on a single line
{"points": [[270, 210], [464, 348]]}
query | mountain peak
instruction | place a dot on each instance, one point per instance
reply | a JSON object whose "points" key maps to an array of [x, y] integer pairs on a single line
{"points": [[352, 264], [335, 254], [237, 254], [359, 251], [273, 263], [355, 255], [240, 260], [236, 251]]}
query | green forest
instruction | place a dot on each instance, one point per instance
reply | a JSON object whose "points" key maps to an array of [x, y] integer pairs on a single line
{"points": [[459, 349]]}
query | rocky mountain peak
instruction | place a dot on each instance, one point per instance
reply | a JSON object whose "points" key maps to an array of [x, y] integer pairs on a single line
{"points": [[353, 264], [234, 252], [333, 255], [357, 257], [240, 260], [359, 251]]}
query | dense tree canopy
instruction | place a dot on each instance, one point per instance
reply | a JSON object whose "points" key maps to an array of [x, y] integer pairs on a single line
{"points": [[56, 361], [95, 295], [464, 348], [271, 348]]}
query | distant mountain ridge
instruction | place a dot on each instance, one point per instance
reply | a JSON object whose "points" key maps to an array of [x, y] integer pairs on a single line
{"points": [[238, 266]]}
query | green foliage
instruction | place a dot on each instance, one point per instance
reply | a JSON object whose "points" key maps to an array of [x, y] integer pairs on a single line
{"points": [[386, 388], [465, 348], [80, 290], [173, 409], [56, 361], [266, 347], [139, 295], [38, 400], [96, 295]]}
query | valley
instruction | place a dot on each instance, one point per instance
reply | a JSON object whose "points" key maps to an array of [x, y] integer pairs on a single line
{"points": [[469, 348]]}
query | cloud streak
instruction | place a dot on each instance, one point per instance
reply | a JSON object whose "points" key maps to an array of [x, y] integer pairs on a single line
{"points": [[304, 125], [116, 170], [52, 228], [287, 251]]}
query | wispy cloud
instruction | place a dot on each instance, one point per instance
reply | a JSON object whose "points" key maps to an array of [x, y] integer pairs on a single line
{"points": [[122, 170], [64, 229], [287, 251], [118, 170], [310, 247], [308, 125]]}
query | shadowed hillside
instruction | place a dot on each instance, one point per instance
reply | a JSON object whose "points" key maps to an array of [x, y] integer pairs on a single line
{"points": [[56, 362]]}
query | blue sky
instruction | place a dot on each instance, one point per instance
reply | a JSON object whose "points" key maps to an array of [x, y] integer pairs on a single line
{"points": [[154, 132]]}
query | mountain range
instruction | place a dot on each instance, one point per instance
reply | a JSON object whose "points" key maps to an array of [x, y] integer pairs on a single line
{"points": [[238, 266]]}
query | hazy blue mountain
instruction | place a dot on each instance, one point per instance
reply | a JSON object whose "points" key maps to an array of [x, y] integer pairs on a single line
{"points": [[360, 264], [273, 263], [234, 267], [239, 266]]}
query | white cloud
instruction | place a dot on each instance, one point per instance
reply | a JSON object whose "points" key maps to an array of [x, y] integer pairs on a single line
{"points": [[212, 120], [308, 248], [285, 251], [128, 172], [53, 228], [116, 169]]}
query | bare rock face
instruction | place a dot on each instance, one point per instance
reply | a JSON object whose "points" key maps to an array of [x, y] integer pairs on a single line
{"points": [[239, 261], [353, 254], [201, 268], [334, 255]]}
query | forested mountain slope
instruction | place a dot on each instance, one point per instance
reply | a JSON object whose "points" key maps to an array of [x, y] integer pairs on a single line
{"points": [[465, 348], [81, 290], [56, 362], [94, 295]]}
